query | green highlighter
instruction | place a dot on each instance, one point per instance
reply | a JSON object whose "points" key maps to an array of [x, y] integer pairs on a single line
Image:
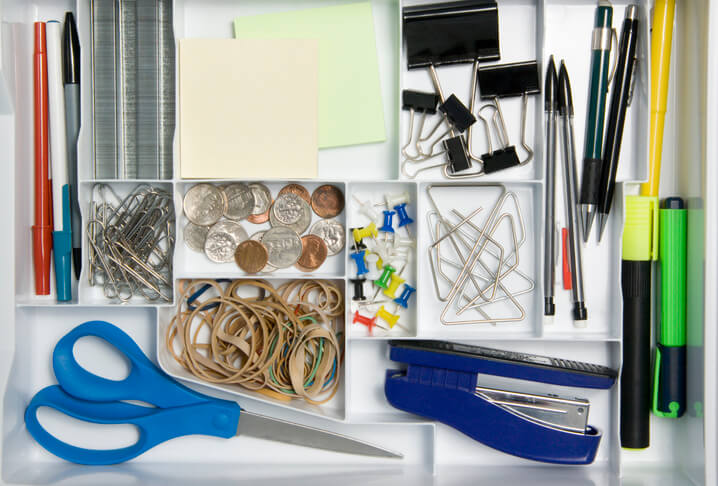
{"points": [[669, 379]]}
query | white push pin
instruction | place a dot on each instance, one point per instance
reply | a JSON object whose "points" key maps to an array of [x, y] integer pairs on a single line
{"points": [[366, 208], [372, 260]]}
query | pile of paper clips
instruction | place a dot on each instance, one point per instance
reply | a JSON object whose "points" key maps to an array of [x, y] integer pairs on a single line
{"points": [[475, 255], [131, 242]]}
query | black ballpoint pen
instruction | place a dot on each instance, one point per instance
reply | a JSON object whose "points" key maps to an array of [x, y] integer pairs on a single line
{"points": [[617, 112], [565, 109], [551, 109], [71, 64]]}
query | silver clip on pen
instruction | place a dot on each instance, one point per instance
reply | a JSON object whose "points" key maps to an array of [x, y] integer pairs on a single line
{"points": [[551, 109], [565, 106]]}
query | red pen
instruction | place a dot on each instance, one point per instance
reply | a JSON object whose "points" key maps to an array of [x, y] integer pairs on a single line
{"points": [[42, 230]]}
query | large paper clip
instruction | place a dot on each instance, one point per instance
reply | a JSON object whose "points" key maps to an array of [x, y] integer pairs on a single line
{"points": [[442, 382]]}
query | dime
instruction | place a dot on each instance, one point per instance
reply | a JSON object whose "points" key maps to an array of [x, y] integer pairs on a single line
{"points": [[297, 189], [314, 252], [222, 241], [332, 232], [258, 237], [292, 211], [327, 201], [251, 256], [240, 201], [204, 204], [262, 198], [284, 246], [195, 235]]}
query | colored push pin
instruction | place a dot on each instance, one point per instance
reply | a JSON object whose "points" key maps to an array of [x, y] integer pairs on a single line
{"points": [[404, 218], [387, 226], [358, 289], [357, 245], [358, 258], [387, 316], [403, 299], [367, 209], [390, 290], [365, 232], [383, 281], [372, 263], [369, 322]]}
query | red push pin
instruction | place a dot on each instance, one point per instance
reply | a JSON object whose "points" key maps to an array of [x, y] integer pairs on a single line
{"points": [[369, 322]]}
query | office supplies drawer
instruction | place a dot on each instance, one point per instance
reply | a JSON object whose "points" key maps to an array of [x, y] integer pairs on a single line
{"points": [[682, 451]]}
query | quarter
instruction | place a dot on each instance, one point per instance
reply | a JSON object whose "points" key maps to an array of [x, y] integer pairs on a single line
{"points": [[284, 246], [204, 204], [222, 240], [314, 252], [251, 256], [332, 232], [195, 236], [327, 201], [240, 201], [292, 211]]}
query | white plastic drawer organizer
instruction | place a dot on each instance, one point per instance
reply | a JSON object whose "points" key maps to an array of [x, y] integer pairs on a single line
{"points": [[512, 200]]}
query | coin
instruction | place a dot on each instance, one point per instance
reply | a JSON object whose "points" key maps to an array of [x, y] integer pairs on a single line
{"points": [[258, 237], [204, 204], [251, 256], [314, 252], [327, 201], [284, 246], [297, 189], [292, 211], [262, 217], [195, 236], [262, 198], [222, 241], [332, 232], [240, 201]]}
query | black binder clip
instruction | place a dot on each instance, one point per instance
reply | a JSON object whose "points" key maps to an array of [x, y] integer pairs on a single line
{"points": [[501, 81], [447, 33]]}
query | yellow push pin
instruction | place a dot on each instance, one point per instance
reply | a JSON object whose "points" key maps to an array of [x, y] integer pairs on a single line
{"points": [[390, 290], [387, 316], [365, 232]]}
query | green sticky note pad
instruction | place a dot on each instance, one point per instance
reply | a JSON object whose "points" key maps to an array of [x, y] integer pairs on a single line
{"points": [[350, 105]]}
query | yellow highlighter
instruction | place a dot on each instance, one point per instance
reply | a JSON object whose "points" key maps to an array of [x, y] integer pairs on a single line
{"points": [[640, 247]]}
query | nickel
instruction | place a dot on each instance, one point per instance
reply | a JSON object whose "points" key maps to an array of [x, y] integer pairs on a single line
{"points": [[240, 201], [195, 236], [332, 232], [284, 246]]}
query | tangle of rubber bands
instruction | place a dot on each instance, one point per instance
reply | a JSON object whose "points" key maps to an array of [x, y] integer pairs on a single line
{"points": [[283, 342]]}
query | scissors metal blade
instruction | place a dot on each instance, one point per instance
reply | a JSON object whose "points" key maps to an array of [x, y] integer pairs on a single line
{"points": [[255, 425]]}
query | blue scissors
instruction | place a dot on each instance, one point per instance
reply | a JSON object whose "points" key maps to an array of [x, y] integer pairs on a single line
{"points": [[178, 410]]}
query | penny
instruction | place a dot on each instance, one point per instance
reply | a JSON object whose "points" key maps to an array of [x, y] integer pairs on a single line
{"points": [[284, 246], [195, 236], [204, 204], [222, 240], [327, 201], [332, 232], [251, 256], [314, 252], [292, 211], [240, 201], [297, 189]]}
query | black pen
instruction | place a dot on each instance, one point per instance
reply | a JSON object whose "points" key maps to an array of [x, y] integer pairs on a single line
{"points": [[551, 109], [71, 63], [617, 112]]}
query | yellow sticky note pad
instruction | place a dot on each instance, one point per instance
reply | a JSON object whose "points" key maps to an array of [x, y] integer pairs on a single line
{"points": [[248, 108], [350, 105]]}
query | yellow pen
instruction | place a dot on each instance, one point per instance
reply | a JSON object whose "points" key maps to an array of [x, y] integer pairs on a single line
{"points": [[640, 247]]}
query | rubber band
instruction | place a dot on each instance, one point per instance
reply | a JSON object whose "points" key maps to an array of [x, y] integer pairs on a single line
{"points": [[284, 342]]}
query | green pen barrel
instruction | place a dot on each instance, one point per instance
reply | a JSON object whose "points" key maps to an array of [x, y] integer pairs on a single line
{"points": [[669, 388]]}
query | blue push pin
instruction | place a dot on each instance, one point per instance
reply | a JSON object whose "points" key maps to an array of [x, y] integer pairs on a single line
{"points": [[403, 299], [358, 258], [387, 226], [404, 218]]}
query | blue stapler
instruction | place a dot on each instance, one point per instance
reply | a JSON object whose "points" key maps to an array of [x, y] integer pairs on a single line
{"points": [[441, 382]]}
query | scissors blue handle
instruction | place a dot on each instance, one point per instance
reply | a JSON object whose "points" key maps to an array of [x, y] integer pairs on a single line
{"points": [[91, 398]]}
